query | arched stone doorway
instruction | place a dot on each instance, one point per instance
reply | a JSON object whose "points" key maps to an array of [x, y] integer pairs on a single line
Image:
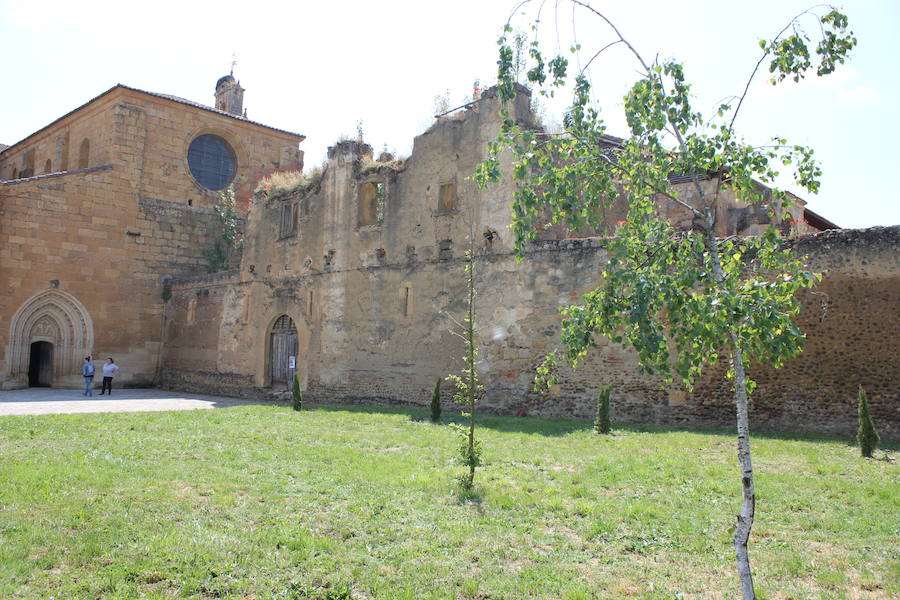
{"points": [[282, 352], [56, 326], [40, 365]]}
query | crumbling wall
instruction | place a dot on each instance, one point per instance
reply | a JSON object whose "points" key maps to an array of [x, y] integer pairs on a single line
{"points": [[374, 302], [374, 348]]}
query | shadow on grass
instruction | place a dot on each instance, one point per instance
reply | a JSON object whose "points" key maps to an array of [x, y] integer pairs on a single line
{"points": [[529, 425], [561, 427]]}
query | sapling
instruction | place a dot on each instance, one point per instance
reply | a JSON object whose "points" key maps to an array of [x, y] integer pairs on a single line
{"points": [[601, 421], [866, 435], [296, 396], [436, 403], [468, 387], [681, 298]]}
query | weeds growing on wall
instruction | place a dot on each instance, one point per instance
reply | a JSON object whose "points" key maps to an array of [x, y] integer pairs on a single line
{"points": [[283, 183], [226, 241]]}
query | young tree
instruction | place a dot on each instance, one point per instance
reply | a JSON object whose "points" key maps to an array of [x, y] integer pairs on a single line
{"points": [[296, 396], [681, 299], [866, 435], [468, 387], [601, 420], [436, 403]]}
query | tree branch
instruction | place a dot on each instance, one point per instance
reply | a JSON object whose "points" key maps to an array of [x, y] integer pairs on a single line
{"points": [[599, 52], [649, 184], [762, 58], [615, 29]]}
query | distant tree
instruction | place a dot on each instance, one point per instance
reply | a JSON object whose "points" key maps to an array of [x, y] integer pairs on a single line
{"points": [[680, 299], [601, 421], [468, 387], [436, 403], [226, 243], [866, 435], [520, 56]]}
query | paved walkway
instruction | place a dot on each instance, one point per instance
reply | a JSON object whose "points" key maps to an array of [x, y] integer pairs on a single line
{"points": [[45, 401]]}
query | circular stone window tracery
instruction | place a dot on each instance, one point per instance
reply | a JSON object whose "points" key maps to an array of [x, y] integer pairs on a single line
{"points": [[212, 161]]}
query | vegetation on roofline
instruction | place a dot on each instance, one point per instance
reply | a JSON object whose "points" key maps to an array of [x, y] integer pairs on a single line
{"points": [[285, 183], [382, 167]]}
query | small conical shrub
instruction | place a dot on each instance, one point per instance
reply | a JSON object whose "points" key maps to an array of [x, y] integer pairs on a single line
{"points": [[601, 421], [296, 397], [866, 435], [436, 403]]}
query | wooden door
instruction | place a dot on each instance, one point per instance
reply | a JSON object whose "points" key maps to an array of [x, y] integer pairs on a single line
{"points": [[283, 347]]}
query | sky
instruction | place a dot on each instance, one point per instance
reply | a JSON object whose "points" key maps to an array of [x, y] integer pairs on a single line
{"points": [[324, 68]]}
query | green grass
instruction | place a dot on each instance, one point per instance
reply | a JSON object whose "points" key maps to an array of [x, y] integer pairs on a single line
{"points": [[264, 502]]}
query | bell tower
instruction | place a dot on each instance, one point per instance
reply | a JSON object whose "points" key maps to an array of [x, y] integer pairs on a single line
{"points": [[230, 95]]}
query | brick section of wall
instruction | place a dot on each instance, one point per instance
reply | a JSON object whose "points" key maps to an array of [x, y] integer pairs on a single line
{"points": [[202, 382]]}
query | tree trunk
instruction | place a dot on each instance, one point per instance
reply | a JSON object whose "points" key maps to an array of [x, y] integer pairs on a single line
{"points": [[748, 502], [473, 381]]}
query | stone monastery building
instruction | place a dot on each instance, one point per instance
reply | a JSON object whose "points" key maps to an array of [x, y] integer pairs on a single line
{"points": [[351, 279]]}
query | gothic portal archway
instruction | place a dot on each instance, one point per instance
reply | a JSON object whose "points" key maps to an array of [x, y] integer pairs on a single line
{"points": [[62, 323]]}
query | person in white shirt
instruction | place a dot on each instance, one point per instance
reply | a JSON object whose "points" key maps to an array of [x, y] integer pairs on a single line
{"points": [[109, 370]]}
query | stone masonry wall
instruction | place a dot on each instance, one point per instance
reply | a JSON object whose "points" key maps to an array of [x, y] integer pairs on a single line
{"points": [[87, 252], [72, 232], [374, 302], [370, 352]]}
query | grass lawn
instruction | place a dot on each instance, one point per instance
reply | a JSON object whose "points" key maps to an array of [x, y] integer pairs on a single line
{"points": [[263, 502]]}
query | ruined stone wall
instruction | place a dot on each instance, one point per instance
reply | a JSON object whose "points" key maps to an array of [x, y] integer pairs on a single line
{"points": [[853, 338], [319, 273], [199, 299], [374, 302], [368, 350]]}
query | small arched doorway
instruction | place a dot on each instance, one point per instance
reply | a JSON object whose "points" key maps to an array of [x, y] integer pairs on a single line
{"points": [[40, 364], [283, 352]]}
